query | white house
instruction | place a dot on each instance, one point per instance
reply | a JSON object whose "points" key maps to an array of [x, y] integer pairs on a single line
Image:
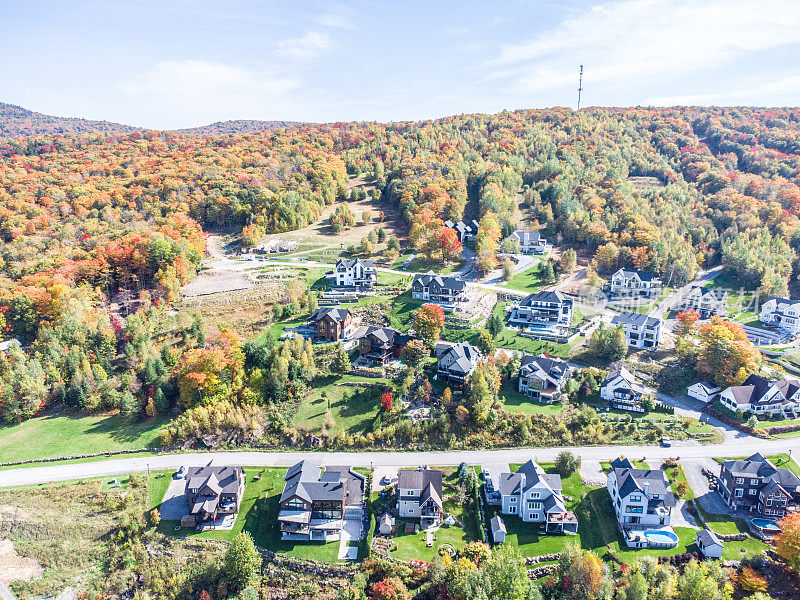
{"points": [[542, 377], [456, 362], [530, 242], [642, 498], [782, 313], [621, 389], [628, 282], [705, 391], [540, 309], [761, 396], [419, 495], [709, 544], [641, 330], [705, 300], [355, 273], [535, 497]]}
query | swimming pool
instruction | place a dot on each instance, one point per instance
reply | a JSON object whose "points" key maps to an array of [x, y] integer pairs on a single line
{"points": [[661, 538], [765, 525]]}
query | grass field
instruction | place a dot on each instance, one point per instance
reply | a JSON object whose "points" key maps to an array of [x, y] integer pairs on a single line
{"points": [[353, 409], [62, 435], [258, 515], [527, 281], [514, 401]]}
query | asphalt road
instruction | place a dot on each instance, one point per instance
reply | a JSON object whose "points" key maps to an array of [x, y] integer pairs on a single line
{"points": [[733, 446]]}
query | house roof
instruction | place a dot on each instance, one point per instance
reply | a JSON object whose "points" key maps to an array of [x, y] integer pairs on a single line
{"points": [[307, 480], [544, 368], [628, 378], [428, 481], [382, 336], [756, 466], [621, 463], [497, 524], [636, 480], [527, 237], [527, 476], [465, 356], [553, 296], [642, 275], [709, 386], [709, 538], [337, 314], [350, 263], [636, 319], [431, 279], [214, 480]]}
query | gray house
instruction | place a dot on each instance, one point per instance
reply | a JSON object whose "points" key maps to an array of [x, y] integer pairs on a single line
{"points": [[456, 362], [316, 500], [541, 377], [213, 491]]}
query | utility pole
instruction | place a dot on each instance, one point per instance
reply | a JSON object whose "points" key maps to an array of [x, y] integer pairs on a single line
{"points": [[580, 87]]}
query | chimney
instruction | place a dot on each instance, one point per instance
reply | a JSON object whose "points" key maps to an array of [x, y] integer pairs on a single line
{"points": [[522, 481], [647, 488]]}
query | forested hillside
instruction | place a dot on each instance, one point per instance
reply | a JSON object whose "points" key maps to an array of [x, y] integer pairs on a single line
{"points": [[16, 121], [85, 215]]}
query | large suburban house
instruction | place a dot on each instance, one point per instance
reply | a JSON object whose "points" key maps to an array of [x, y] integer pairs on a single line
{"points": [[378, 344], [705, 300], [542, 377], [621, 389], [542, 309], [535, 497], [705, 391], [331, 323], [466, 231], [456, 362], [316, 500], [782, 313], [448, 292], [755, 485], [353, 273], [642, 500], [530, 242], [641, 330], [761, 396], [419, 495], [212, 492], [628, 282]]}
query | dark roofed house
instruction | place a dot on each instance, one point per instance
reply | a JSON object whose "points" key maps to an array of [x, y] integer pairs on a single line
{"points": [[448, 292], [629, 282], [456, 362], [377, 344], [542, 377], [622, 390], [755, 485], [760, 396], [641, 330], [530, 242], [214, 491], [419, 495], [331, 323], [316, 500]]}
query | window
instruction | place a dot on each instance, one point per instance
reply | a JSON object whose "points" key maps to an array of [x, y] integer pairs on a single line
{"points": [[295, 504], [768, 502], [636, 498], [512, 510], [738, 493], [535, 494], [752, 491], [635, 509], [739, 480], [754, 482], [534, 505]]}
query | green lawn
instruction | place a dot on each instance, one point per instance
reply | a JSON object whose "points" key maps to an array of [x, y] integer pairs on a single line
{"points": [[515, 401], [401, 310], [63, 435], [258, 515], [353, 409], [511, 341], [527, 281]]}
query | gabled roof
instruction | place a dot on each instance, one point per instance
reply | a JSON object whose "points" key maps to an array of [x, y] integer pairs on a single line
{"points": [[527, 476], [636, 319], [621, 463], [628, 378], [382, 336], [465, 356], [431, 279], [642, 275], [497, 524], [636, 480], [428, 481], [709, 538], [553, 296], [350, 263], [214, 480], [544, 368], [307, 480], [338, 315], [527, 237], [756, 466], [709, 386]]}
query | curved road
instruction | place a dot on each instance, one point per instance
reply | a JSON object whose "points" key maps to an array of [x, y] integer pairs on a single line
{"points": [[734, 445]]}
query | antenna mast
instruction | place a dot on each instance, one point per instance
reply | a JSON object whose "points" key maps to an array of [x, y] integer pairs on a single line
{"points": [[580, 87]]}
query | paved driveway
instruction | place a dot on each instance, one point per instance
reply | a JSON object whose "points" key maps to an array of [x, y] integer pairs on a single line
{"points": [[710, 500], [351, 530], [173, 506]]}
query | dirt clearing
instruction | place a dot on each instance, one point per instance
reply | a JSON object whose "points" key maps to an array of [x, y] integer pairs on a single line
{"points": [[14, 567]]}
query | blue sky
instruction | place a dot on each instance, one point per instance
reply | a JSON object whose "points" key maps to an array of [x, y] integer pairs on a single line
{"points": [[180, 63]]}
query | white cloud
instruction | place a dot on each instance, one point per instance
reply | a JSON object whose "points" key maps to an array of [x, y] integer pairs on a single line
{"points": [[648, 39], [336, 21], [192, 92], [778, 92], [311, 44]]}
